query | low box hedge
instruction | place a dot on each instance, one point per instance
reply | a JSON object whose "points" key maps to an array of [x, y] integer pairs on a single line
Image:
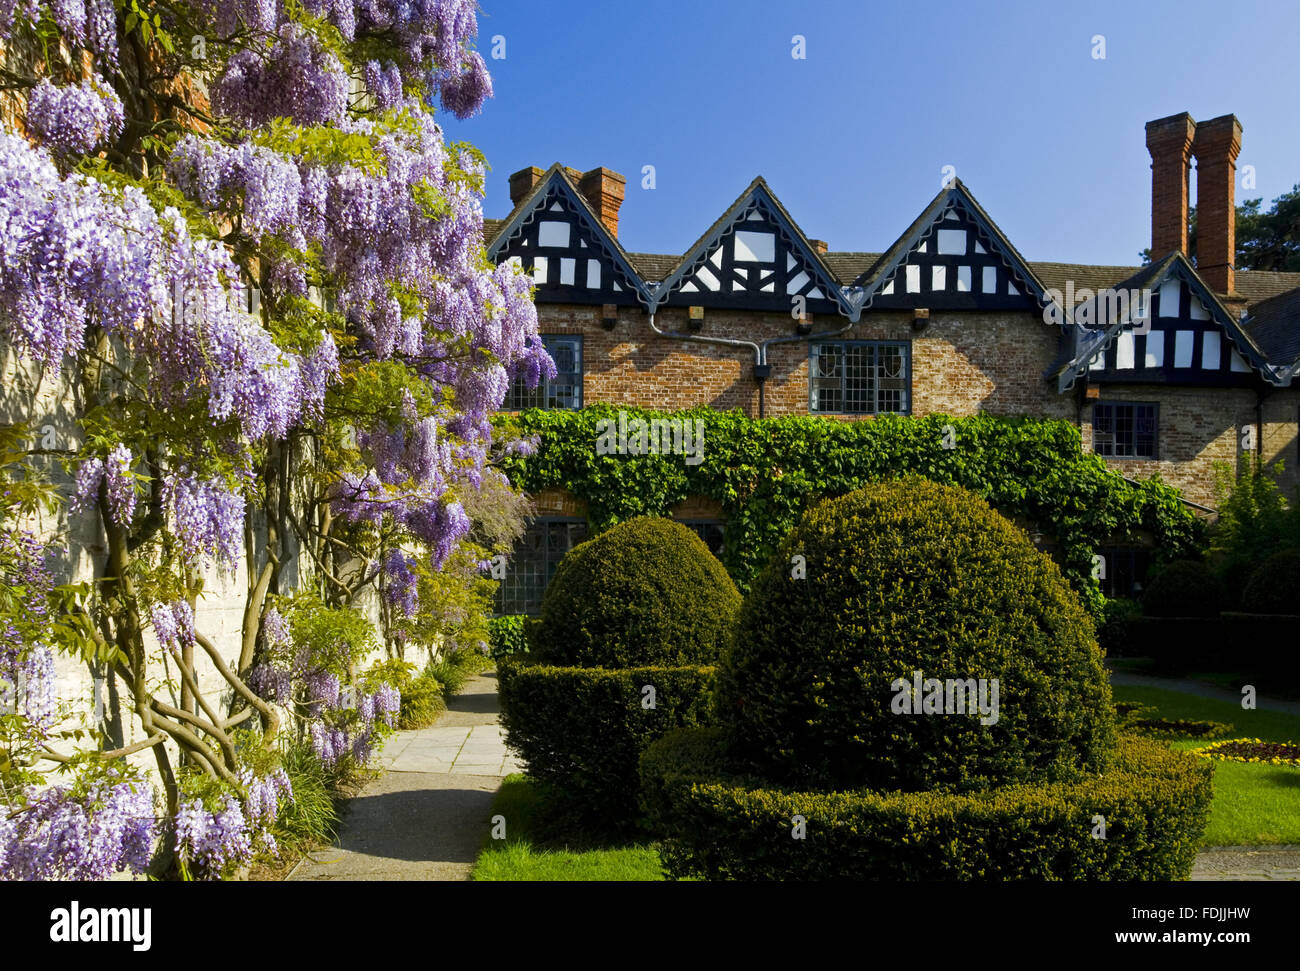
{"points": [[718, 825], [1266, 645], [582, 730], [1178, 645]]}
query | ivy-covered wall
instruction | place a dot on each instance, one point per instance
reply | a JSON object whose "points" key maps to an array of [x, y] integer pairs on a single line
{"points": [[766, 472]]}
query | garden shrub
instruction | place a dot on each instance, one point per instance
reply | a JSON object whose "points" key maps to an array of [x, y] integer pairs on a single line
{"points": [[1114, 633], [896, 578], [507, 636], [646, 592], [1275, 587], [716, 823], [422, 700], [1179, 645], [1263, 646], [764, 473], [1183, 588], [582, 730], [1172, 728]]}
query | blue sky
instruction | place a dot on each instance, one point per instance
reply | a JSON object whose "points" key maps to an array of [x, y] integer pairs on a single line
{"points": [[854, 138]]}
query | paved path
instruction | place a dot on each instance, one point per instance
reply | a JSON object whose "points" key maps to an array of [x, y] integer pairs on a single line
{"points": [[1247, 863], [427, 816], [1203, 690]]}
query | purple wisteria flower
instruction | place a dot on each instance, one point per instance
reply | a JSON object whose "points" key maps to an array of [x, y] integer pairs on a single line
{"points": [[74, 120], [64, 834], [209, 517]]}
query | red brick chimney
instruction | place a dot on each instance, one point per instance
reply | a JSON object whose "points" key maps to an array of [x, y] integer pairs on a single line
{"points": [[604, 189], [1169, 140], [820, 246], [1215, 146], [522, 182]]}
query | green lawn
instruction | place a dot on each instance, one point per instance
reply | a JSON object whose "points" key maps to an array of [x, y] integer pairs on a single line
{"points": [[526, 855], [1253, 804]]}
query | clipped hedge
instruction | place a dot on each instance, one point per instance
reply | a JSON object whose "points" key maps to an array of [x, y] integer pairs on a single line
{"points": [[1275, 587], [1264, 645], [506, 635], [1179, 645], [646, 592], [898, 578], [1183, 588], [765, 472], [719, 825], [583, 729]]}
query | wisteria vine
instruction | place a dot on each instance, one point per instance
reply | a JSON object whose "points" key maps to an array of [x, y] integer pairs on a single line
{"points": [[271, 294]]}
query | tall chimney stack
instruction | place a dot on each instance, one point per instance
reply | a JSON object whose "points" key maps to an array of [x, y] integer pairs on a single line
{"points": [[1215, 146], [604, 189], [1169, 140], [522, 182]]}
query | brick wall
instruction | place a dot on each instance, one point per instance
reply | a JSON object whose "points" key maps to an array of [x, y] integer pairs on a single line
{"points": [[962, 364]]}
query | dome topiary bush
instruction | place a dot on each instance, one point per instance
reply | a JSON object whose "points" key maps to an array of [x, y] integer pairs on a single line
{"points": [[905, 584], [1275, 587], [646, 591], [1183, 588], [857, 714], [621, 654]]}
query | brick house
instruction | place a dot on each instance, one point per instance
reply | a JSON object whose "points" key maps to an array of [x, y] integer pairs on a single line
{"points": [[1166, 368]]}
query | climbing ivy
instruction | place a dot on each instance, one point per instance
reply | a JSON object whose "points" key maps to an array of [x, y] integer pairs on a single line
{"points": [[766, 472]]}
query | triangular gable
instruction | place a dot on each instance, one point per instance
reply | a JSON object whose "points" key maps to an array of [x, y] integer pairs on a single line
{"points": [[556, 237], [1163, 325], [952, 257], [754, 258]]}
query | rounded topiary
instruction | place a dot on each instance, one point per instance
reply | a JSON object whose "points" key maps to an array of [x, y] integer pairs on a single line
{"points": [[645, 592], [1183, 588], [899, 578], [1275, 587]]}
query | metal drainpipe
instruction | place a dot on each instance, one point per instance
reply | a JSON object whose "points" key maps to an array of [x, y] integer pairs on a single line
{"points": [[729, 341], [760, 351]]}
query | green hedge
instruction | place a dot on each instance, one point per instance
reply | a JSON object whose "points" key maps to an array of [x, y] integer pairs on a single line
{"points": [[645, 592], [507, 636], [766, 472], [582, 730], [717, 825], [1265, 646], [1275, 587], [1178, 645], [1183, 588], [897, 583]]}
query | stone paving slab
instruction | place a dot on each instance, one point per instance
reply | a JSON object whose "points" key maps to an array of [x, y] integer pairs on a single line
{"points": [[1247, 863], [427, 816]]}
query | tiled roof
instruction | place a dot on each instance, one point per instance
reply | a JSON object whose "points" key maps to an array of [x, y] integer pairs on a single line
{"points": [[654, 266], [1274, 325]]}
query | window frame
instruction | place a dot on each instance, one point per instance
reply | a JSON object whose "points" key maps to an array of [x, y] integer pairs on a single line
{"points": [[1134, 405], [549, 562], [813, 354], [695, 525], [517, 395]]}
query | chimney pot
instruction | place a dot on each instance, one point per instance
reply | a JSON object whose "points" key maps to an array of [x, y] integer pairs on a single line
{"points": [[1169, 140], [1216, 145]]}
